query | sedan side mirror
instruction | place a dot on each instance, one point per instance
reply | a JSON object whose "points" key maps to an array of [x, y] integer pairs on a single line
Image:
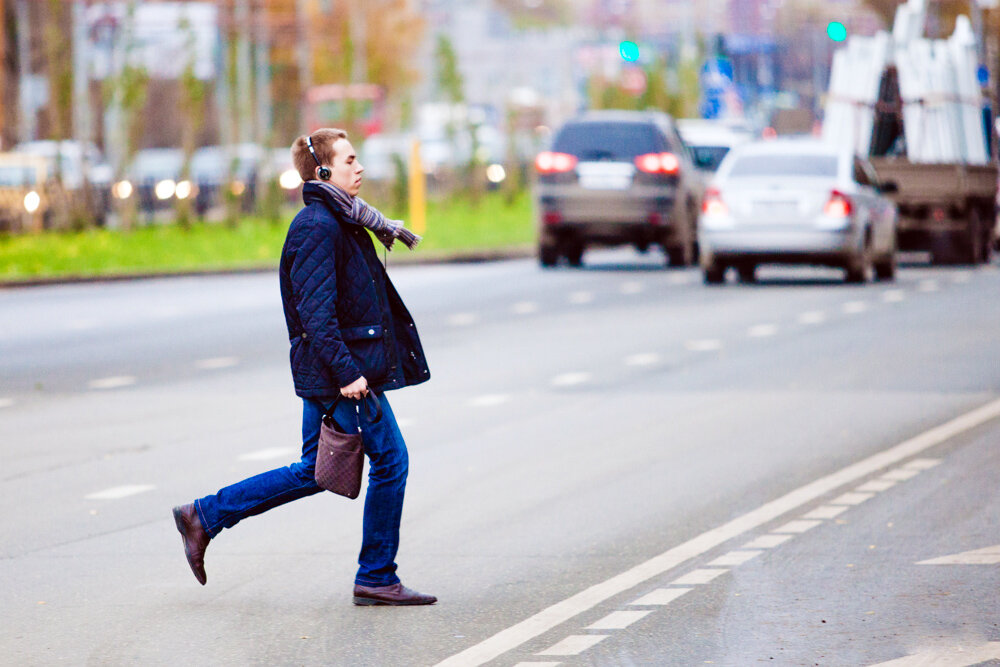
{"points": [[888, 187]]}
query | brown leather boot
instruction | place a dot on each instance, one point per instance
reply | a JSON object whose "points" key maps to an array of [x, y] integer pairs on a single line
{"points": [[396, 595], [195, 539]]}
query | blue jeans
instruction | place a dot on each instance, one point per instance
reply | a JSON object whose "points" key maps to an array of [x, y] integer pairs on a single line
{"points": [[388, 465]]}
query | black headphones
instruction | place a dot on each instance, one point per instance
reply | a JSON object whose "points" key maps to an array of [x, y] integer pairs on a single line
{"points": [[324, 172]]}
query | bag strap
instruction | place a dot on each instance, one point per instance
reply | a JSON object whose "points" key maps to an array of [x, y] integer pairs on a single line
{"points": [[370, 396]]}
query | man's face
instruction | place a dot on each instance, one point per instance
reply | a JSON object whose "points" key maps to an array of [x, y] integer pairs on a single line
{"points": [[346, 170]]}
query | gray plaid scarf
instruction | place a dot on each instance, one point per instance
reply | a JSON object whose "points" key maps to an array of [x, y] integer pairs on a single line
{"points": [[360, 212]]}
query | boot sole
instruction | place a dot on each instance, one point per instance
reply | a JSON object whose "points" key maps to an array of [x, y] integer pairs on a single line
{"points": [[371, 602]]}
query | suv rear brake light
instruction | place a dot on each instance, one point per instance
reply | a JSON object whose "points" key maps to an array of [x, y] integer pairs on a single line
{"points": [[658, 163], [839, 205], [549, 162], [712, 203]]}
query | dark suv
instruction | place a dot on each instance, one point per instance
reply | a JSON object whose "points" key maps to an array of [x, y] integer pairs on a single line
{"points": [[614, 178]]}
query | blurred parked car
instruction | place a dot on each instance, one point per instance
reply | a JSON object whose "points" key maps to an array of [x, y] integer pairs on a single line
{"points": [[710, 140], [76, 164], [153, 177], [24, 202], [210, 171], [797, 202], [613, 178]]}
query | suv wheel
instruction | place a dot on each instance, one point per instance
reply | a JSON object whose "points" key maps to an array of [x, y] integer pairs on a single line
{"points": [[574, 253], [714, 274], [548, 256]]}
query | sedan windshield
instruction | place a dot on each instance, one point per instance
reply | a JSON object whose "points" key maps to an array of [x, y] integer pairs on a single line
{"points": [[785, 165]]}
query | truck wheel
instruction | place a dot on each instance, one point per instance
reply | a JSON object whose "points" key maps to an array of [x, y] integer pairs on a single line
{"points": [[714, 274], [973, 243], [748, 273], [574, 253], [548, 256], [682, 255]]}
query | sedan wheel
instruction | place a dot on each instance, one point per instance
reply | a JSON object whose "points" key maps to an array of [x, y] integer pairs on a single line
{"points": [[858, 268]]}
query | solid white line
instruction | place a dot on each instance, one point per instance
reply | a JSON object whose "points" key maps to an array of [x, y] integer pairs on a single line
{"points": [[767, 541], [216, 363], [6, 402], [267, 454], [852, 498], [573, 645], [581, 297], [570, 379], [901, 474], [619, 620], [524, 308], [812, 317], [734, 558], [922, 464], [116, 492], [697, 577], [661, 596], [562, 611], [876, 486], [798, 526], [704, 345], [855, 307], [762, 330], [462, 319], [825, 512], [958, 656], [644, 359], [488, 400], [631, 287], [113, 382]]}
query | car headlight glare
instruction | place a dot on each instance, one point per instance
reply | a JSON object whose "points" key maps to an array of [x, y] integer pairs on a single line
{"points": [[289, 179], [122, 190], [165, 189], [32, 201], [495, 173], [183, 189]]}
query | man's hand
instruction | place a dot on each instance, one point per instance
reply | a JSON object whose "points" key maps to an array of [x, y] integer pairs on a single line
{"points": [[356, 389]]}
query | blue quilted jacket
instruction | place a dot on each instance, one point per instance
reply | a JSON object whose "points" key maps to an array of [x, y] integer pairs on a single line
{"points": [[345, 318]]}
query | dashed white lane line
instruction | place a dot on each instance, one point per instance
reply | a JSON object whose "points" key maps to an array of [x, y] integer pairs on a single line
{"points": [[462, 319], [852, 498], [117, 492], [893, 296], [488, 400], [268, 454], [661, 596], [798, 526], [928, 286], [826, 512], [876, 486], [642, 359], [812, 317], [697, 577], [762, 330], [6, 402], [579, 298], [960, 278], [631, 287], [767, 541], [113, 382], [574, 645], [922, 464], [704, 345], [215, 363], [538, 664], [564, 610], [570, 379], [734, 558], [901, 474], [681, 279], [619, 620], [524, 308], [854, 307]]}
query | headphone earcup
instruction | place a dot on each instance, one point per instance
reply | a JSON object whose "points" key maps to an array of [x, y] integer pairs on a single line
{"points": [[325, 173]]}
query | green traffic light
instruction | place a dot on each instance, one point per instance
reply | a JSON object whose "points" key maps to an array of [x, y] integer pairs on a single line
{"points": [[629, 51], [836, 31]]}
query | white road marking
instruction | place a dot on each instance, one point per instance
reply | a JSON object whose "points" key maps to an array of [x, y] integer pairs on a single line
{"points": [[798, 526], [560, 612], [812, 317], [112, 382], [570, 379], [697, 577], [573, 645], [959, 655], [825, 512], [704, 345], [962, 277], [762, 330], [538, 664], [619, 620], [984, 556], [267, 454], [852, 498], [116, 492], [876, 485], [661, 596], [488, 400], [893, 296], [581, 297], [922, 464], [215, 363], [462, 319], [6, 402], [734, 558], [767, 541], [901, 474], [928, 286], [680, 279], [643, 359], [524, 308], [854, 307], [632, 287]]}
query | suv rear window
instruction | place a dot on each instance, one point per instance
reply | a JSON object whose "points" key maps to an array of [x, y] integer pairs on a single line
{"points": [[785, 165], [609, 141]]}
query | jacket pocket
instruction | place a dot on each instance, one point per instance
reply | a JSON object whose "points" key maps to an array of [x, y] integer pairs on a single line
{"points": [[367, 346]]}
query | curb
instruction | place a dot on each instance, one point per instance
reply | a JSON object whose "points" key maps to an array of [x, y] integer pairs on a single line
{"points": [[444, 257]]}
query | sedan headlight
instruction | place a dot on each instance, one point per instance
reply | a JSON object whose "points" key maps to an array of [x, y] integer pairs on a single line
{"points": [[165, 189], [183, 189], [32, 201], [122, 190], [289, 179]]}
